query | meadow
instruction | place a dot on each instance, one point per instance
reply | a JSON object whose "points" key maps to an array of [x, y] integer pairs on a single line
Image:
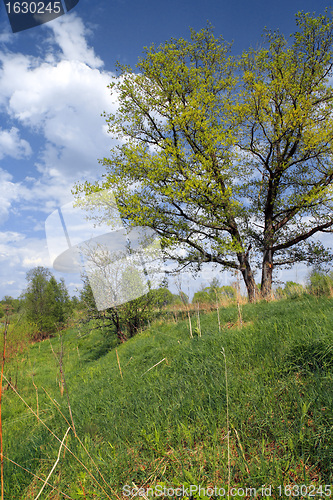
{"points": [[246, 405]]}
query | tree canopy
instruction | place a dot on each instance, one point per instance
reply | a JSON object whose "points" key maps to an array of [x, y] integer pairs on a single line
{"points": [[228, 158]]}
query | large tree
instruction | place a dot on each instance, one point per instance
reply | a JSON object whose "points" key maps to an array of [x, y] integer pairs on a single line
{"points": [[230, 158]]}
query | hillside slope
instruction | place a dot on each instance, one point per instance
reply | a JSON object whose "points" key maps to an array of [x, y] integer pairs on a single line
{"points": [[155, 411]]}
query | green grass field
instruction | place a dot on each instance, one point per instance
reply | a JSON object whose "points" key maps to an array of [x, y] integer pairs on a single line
{"points": [[175, 411]]}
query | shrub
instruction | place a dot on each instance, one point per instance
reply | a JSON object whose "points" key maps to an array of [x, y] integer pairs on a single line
{"points": [[320, 284], [46, 302]]}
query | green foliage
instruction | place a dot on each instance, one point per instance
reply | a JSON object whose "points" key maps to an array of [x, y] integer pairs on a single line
{"points": [[311, 355], [9, 302], [183, 298], [211, 294], [291, 290], [125, 319], [225, 156], [162, 297], [320, 283], [46, 302]]}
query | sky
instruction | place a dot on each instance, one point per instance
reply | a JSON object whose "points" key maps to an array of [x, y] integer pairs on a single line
{"points": [[53, 90]]}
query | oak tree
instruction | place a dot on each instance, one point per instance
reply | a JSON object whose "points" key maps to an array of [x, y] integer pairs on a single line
{"points": [[229, 158]]}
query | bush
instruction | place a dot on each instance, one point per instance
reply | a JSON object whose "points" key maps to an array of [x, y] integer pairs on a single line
{"points": [[291, 290], [320, 284], [213, 293]]}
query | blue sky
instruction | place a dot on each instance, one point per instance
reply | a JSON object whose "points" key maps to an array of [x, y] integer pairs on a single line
{"points": [[53, 89]]}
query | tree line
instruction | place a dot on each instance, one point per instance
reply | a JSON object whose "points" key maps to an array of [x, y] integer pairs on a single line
{"points": [[47, 307]]}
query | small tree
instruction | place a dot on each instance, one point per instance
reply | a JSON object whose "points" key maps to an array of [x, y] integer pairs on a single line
{"points": [[46, 301], [125, 319], [58, 300], [106, 319], [15, 304], [162, 297]]}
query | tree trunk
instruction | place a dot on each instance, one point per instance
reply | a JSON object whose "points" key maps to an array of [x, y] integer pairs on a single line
{"points": [[248, 277], [116, 321], [267, 275], [121, 335]]}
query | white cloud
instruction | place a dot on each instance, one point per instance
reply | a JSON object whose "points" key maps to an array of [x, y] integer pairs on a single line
{"points": [[9, 193], [18, 254], [61, 96], [41, 195], [58, 97], [16, 250], [10, 236], [69, 33], [12, 145]]}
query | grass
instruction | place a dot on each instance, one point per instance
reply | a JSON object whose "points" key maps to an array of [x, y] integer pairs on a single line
{"points": [[155, 411]]}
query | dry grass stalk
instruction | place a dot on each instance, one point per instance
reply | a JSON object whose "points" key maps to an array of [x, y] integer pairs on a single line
{"points": [[77, 437], [190, 324], [164, 359], [35, 386], [119, 364], [142, 494], [63, 380], [242, 450], [83, 492], [187, 308], [217, 310], [228, 426], [55, 464], [240, 318], [198, 320], [2, 367], [37, 477], [65, 446]]}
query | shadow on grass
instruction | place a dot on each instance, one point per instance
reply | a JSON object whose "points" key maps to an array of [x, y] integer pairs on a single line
{"points": [[100, 349]]}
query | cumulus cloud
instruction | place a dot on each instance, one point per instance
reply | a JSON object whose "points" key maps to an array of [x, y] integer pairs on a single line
{"points": [[20, 251], [61, 96], [12, 145], [55, 99], [10, 236], [10, 192], [18, 254], [41, 195], [69, 33]]}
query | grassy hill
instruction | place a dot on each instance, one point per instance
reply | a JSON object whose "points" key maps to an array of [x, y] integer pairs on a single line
{"points": [[243, 407]]}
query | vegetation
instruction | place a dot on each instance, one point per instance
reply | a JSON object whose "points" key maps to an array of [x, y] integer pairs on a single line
{"points": [[214, 293], [320, 284], [241, 407], [228, 158], [126, 319], [46, 302]]}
